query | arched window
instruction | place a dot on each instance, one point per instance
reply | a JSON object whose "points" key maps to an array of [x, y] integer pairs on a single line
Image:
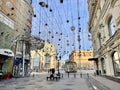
{"points": [[36, 62], [36, 59], [47, 61], [116, 63], [111, 26]]}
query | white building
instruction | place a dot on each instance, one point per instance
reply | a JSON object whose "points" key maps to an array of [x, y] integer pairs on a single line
{"points": [[104, 25]]}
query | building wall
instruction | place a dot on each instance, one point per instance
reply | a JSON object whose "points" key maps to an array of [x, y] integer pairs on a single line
{"points": [[49, 49], [81, 58], [105, 34], [15, 21]]}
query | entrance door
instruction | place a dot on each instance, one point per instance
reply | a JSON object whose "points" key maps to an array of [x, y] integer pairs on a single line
{"points": [[116, 63]]}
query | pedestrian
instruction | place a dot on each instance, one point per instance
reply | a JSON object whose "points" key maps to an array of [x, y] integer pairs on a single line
{"points": [[87, 75], [48, 71], [53, 71], [33, 75]]}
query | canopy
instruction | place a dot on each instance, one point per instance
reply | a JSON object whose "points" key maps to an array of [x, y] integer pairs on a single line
{"points": [[7, 52]]}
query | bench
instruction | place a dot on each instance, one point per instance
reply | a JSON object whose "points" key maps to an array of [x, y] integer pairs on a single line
{"points": [[52, 77]]}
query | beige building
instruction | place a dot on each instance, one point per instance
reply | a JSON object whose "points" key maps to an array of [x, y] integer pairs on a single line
{"points": [[81, 58], [43, 59], [104, 25]]}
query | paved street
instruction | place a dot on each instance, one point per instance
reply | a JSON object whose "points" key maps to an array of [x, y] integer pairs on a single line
{"points": [[39, 82]]}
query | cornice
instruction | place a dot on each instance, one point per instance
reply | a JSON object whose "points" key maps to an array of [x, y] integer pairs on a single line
{"points": [[110, 42], [104, 10], [93, 14]]}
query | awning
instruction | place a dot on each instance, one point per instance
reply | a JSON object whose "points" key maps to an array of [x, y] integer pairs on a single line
{"points": [[7, 52], [18, 61], [92, 59]]}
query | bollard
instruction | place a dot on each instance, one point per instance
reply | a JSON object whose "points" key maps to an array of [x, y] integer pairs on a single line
{"points": [[87, 75], [62, 75], [74, 75], [68, 74], [94, 74], [81, 75], [33, 75]]}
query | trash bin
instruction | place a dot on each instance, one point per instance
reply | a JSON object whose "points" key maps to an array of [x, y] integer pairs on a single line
{"points": [[97, 72]]}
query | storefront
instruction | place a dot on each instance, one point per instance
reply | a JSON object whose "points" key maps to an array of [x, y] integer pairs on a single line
{"points": [[6, 63]]}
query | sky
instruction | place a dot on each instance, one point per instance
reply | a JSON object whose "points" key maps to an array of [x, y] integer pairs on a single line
{"points": [[54, 23]]}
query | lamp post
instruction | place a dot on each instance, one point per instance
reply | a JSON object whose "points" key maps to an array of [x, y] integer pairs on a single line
{"points": [[59, 65], [23, 54]]}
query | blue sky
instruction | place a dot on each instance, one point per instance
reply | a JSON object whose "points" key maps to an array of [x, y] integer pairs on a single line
{"points": [[58, 30]]}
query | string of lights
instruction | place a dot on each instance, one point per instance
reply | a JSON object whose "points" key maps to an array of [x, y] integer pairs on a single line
{"points": [[54, 18]]}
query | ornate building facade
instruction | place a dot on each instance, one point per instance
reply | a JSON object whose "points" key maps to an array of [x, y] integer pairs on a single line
{"points": [[104, 25], [43, 59], [15, 27], [81, 58]]}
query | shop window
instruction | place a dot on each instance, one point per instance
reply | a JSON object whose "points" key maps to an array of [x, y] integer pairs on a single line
{"points": [[116, 63]]}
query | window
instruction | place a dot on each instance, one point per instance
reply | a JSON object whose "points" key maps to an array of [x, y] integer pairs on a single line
{"points": [[111, 27], [36, 60], [47, 58], [103, 66]]}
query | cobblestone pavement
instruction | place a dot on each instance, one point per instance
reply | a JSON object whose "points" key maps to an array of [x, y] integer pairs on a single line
{"points": [[39, 82]]}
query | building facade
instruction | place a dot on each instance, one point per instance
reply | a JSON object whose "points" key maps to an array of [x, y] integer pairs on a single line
{"points": [[81, 58], [15, 25], [43, 59], [104, 25]]}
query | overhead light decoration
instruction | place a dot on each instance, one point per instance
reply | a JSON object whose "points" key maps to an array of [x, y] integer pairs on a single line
{"points": [[9, 5], [79, 38], [46, 5], [50, 10], [61, 1], [79, 29], [34, 15], [12, 8], [46, 24], [59, 39], [67, 21], [49, 32], [52, 36], [42, 4], [72, 28]]}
